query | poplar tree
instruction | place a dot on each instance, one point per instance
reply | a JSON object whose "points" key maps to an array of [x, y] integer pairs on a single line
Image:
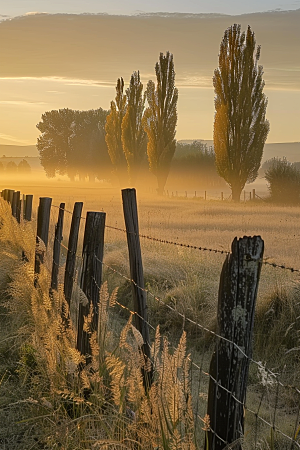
{"points": [[113, 129], [240, 127], [160, 119], [133, 133]]}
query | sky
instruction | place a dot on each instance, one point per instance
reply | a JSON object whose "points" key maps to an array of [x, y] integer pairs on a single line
{"points": [[24, 98], [14, 8]]}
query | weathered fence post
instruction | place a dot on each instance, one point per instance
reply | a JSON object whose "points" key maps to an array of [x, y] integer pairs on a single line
{"points": [[137, 274], [72, 249], [10, 196], [222, 196], [253, 194], [56, 247], [91, 277], [204, 195], [15, 205], [230, 362], [28, 207], [43, 221]]}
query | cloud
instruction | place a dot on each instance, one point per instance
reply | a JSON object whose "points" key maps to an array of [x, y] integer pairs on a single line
{"points": [[9, 138], [20, 103], [64, 80], [34, 13]]}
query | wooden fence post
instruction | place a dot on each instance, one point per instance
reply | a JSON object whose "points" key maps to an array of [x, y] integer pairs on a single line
{"points": [[28, 207], [10, 196], [91, 277], [253, 194], [5, 194], [43, 221], [56, 247], [15, 205], [230, 362], [72, 249], [204, 195], [137, 274], [222, 196]]}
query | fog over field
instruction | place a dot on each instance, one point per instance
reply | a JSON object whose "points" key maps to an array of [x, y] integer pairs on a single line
{"points": [[66, 60]]}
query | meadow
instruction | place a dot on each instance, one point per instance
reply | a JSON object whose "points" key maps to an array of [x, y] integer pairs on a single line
{"points": [[187, 280]]}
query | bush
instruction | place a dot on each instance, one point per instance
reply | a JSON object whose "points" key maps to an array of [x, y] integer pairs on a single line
{"points": [[24, 167], [284, 181]]}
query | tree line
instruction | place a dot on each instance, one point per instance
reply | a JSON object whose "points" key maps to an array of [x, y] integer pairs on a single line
{"points": [[140, 127]]}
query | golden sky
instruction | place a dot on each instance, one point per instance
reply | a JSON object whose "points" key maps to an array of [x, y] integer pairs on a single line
{"points": [[59, 61]]}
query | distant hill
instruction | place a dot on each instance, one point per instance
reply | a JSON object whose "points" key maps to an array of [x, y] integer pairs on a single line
{"points": [[18, 150], [291, 150]]}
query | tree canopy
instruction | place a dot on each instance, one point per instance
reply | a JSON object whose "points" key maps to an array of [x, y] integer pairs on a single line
{"points": [[113, 129], [73, 143], [160, 119], [133, 133], [240, 127]]}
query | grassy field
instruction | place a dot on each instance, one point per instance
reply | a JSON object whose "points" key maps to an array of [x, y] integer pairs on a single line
{"points": [[186, 279]]}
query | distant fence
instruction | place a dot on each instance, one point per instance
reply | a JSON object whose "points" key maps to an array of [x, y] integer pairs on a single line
{"points": [[229, 366], [211, 194]]}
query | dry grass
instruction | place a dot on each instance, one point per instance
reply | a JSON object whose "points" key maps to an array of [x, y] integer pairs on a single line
{"points": [[188, 280]]}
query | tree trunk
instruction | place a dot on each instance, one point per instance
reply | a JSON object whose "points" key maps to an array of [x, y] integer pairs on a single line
{"points": [[161, 182], [236, 191]]}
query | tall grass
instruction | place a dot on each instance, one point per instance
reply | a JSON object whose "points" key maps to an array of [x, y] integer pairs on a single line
{"points": [[50, 399]]}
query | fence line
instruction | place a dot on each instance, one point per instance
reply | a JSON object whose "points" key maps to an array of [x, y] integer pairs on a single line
{"points": [[191, 246], [258, 363], [193, 322], [202, 327]]}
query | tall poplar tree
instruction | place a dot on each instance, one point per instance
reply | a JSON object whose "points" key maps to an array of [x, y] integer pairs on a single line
{"points": [[160, 119], [133, 133], [113, 130], [240, 127]]}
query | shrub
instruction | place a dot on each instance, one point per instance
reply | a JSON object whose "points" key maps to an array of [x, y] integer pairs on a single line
{"points": [[24, 167], [284, 181]]}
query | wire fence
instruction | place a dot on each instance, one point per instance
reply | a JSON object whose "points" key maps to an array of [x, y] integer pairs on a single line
{"points": [[270, 385], [270, 381]]}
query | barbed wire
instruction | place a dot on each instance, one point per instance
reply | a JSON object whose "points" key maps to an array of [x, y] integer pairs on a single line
{"points": [[275, 428], [191, 246], [165, 241], [195, 247], [67, 211], [217, 383], [193, 322]]}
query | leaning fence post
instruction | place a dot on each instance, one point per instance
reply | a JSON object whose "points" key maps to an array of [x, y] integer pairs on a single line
{"points": [[137, 274], [72, 249], [28, 207], [43, 221], [230, 362], [56, 247], [91, 277]]}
